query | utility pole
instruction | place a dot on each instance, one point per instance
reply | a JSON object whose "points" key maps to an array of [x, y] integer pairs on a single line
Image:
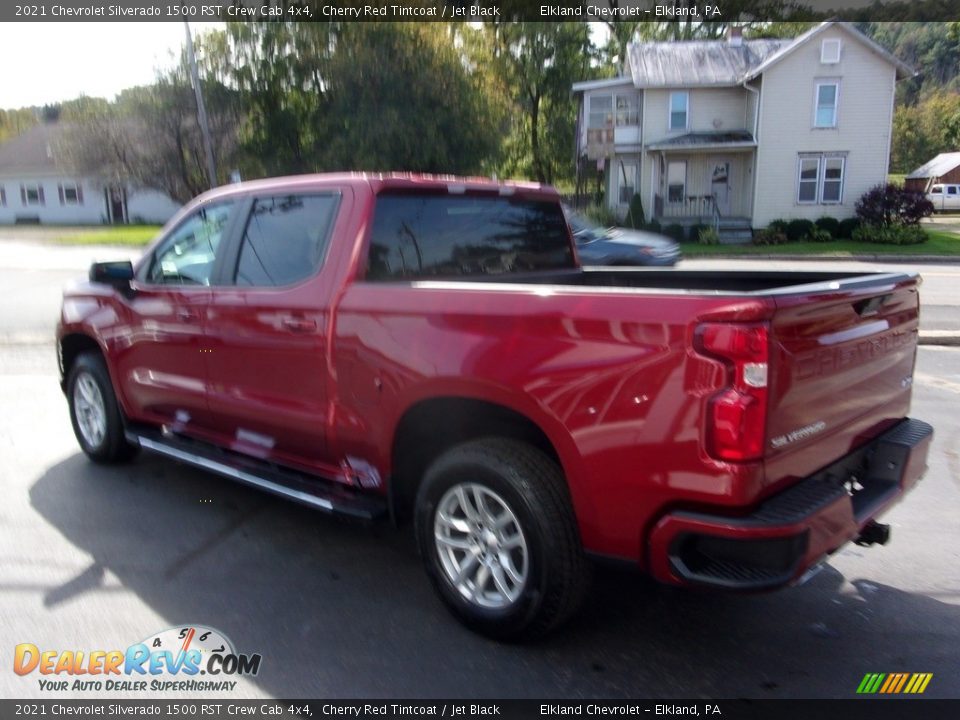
{"points": [[201, 110]]}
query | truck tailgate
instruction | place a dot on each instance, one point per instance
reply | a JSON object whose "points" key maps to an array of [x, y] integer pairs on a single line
{"points": [[841, 365]]}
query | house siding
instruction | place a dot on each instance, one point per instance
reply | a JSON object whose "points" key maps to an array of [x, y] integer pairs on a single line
{"points": [[710, 109], [786, 127], [91, 211]]}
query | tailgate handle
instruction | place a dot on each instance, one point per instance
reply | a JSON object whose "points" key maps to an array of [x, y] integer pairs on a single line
{"points": [[870, 306]]}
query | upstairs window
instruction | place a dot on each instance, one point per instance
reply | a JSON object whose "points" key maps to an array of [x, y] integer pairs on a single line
{"points": [[679, 110], [828, 94], [830, 51], [601, 111], [627, 110]]}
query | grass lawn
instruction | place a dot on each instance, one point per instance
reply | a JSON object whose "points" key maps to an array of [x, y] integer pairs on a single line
{"points": [[134, 235], [940, 243]]}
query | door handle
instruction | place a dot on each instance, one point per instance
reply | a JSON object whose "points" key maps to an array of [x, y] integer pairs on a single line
{"points": [[187, 315], [299, 324]]}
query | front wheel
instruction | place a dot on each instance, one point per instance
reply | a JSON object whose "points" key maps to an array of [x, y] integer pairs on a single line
{"points": [[94, 411], [496, 530]]}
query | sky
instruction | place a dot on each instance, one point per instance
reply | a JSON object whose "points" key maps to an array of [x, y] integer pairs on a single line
{"points": [[49, 62]]}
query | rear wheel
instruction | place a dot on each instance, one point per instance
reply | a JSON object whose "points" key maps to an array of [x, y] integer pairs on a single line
{"points": [[94, 412], [496, 530]]}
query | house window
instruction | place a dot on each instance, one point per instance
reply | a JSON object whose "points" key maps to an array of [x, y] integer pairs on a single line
{"points": [[70, 194], [627, 180], [676, 181], [31, 194], [601, 111], [679, 110], [820, 179], [619, 110], [627, 110], [826, 112], [830, 51]]}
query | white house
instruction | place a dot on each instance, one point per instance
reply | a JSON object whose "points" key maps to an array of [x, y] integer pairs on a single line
{"points": [[36, 186], [742, 132]]}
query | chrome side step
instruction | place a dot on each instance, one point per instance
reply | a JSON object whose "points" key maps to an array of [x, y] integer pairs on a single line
{"points": [[314, 492]]}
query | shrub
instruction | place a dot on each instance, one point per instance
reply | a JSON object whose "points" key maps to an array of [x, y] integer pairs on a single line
{"points": [[769, 236], [693, 234], [889, 204], [779, 226], [654, 227], [602, 215], [847, 227], [706, 235], [676, 232], [635, 217], [818, 234], [891, 234], [797, 230], [830, 225]]}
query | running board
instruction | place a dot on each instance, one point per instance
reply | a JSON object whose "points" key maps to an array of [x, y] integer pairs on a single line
{"points": [[314, 492]]}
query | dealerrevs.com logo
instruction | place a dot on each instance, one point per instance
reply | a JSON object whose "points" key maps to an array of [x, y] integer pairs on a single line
{"points": [[186, 658]]}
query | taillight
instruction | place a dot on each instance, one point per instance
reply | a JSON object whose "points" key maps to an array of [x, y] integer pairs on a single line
{"points": [[737, 415]]}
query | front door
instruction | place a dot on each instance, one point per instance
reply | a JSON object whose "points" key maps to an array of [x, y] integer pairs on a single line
{"points": [[721, 183], [267, 333], [163, 367]]}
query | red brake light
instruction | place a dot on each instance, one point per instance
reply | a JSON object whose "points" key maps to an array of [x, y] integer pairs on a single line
{"points": [[737, 415]]}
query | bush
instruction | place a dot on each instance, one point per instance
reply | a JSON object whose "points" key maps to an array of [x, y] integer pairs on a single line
{"points": [[779, 226], [706, 235], [890, 234], [695, 231], [889, 204], [847, 227], [635, 217], [818, 234], [601, 215], [797, 230], [830, 225], [676, 232], [769, 236], [654, 227]]}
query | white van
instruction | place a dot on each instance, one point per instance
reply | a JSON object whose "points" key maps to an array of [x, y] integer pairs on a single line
{"points": [[944, 197]]}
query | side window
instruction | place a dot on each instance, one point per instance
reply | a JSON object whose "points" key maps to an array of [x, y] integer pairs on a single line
{"points": [[186, 257], [422, 236], [937, 190], [952, 190], [286, 239]]}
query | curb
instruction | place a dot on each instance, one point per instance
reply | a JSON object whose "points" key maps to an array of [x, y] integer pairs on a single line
{"points": [[947, 338], [946, 259]]}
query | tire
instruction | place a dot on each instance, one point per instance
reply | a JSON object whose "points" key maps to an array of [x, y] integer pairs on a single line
{"points": [[94, 412], [536, 574]]}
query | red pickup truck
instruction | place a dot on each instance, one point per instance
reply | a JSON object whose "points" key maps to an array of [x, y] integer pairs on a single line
{"points": [[430, 349]]}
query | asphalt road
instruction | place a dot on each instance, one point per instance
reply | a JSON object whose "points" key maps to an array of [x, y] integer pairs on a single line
{"points": [[99, 558]]}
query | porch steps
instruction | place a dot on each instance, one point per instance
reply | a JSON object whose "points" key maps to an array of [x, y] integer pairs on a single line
{"points": [[735, 231]]}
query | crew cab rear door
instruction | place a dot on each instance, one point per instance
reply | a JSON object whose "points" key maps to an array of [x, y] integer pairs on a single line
{"points": [[267, 329]]}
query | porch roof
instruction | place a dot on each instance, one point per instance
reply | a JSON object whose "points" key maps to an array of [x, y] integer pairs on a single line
{"points": [[696, 141]]}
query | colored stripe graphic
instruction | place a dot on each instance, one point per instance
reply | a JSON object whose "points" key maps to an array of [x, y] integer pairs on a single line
{"points": [[894, 683]]}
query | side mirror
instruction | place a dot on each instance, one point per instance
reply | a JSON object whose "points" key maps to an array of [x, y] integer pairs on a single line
{"points": [[115, 274]]}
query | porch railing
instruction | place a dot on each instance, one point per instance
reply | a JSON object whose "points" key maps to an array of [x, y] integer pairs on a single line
{"points": [[691, 206]]}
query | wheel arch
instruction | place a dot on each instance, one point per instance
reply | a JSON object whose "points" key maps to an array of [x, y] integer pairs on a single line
{"points": [[431, 426]]}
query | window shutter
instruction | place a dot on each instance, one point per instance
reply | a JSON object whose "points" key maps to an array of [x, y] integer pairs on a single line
{"points": [[60, 191], [23, 195], [40, 192], [79, 194]]}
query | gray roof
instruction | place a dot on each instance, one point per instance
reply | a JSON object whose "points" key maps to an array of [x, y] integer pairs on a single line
{"points": [[32, 152], [697, 62], [940, 165], [717, 62]]}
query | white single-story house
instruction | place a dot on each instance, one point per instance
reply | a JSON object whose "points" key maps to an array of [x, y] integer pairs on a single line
{"points": [[36, 186]]}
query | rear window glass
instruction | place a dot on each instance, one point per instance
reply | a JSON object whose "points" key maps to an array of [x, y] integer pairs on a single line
{"points": [[424, 236], [285, 239]]}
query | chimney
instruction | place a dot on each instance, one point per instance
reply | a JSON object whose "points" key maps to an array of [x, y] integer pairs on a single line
{"points": [[735, 35]]}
